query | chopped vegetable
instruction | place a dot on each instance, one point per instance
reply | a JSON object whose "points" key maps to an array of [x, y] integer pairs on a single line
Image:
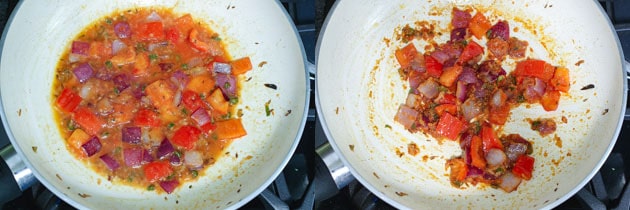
{"points": [[186, 136], [218, 102], [240, 66], [110, 162], [479, 25], [405, 55], [157, 171], [146, 96], [201, 84], [146, 118], [229, 129], [458, 92], [68, 100], [534, 68], [471, 51], [477, 153], [449, 126], [434, 68], [524, 167], [560, 80], [92, 146], [91, 123]]}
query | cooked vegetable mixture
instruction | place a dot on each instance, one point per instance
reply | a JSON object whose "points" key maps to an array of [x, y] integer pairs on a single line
{"points": [[460, 92], [145, 97]]}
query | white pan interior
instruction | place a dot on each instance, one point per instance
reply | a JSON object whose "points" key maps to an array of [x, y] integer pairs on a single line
{"points": [[40, 31], [359, 90]]}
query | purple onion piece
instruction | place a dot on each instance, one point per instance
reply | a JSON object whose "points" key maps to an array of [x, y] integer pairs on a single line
{"points": [[92, 146], [458, 34], [165, 66], [122, 30], [175, 160], [441, 56], [461, 91], [133, 156], [154, 46], [165, 149], [131, 135], [146, 157], [224, 68], [460, 18], [193, 159], [110, 162], [154, 17], [121, 81], [83, 72], [500, 30], [137, 92], [227, 83], [468, 75], [117, 46], [180, 79], [201, 116], [79, 47], [169, 186], [474, 171]]}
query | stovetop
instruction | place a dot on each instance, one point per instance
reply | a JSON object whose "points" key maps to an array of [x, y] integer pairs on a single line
{"points": [[294, 187]]}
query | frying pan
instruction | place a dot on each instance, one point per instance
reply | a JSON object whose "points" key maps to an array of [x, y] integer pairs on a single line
{"points": [[38, 33], [358, 91]]}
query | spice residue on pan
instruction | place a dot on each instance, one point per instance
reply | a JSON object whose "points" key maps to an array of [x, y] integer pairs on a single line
{"points": [[351, 146], [401, 194], [580, 62], [558, 141], [84, 195], [589, 86], [272, 86], [261, 64], [413, 149], [34, 149]]}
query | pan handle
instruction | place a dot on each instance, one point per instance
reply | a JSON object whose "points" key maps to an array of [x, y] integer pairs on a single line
{"points": [[14, 175]]}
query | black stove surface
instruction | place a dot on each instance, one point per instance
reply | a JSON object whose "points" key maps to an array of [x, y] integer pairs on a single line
{"points": [[291, 188]]}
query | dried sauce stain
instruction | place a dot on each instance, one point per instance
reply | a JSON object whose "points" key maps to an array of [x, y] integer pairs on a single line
{"points": [[261, 64], [370, 94], [557, 162], [387, 41], [399, 153], [558, 141], [351, 146], [413, 149], [564, 119], [376, 175], [375, 130], [580, 62], [58, 177], [589, 86], [605, 112], [19, 112], [337, 110], [401, 194], [84, 195], [34, 149], [288, 113], [425, 158]]}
